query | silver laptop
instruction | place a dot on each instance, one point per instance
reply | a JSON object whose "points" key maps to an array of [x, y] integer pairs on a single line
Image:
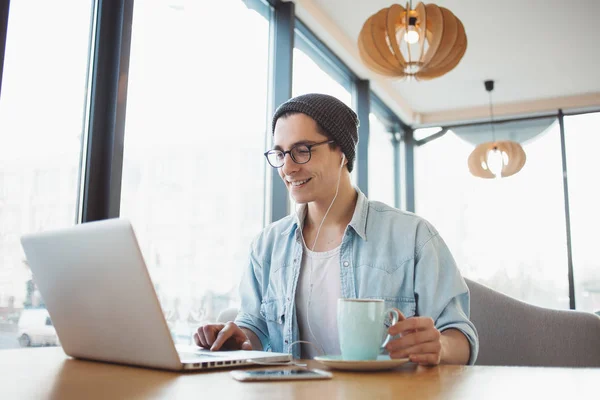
{"points": [[103, 304]]}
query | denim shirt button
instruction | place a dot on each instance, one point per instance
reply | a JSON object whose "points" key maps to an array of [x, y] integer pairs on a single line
{"points": [[346, 263]]}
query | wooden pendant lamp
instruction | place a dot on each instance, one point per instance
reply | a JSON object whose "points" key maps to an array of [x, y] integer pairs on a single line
{"points": [[496, 159], [425, 42]]}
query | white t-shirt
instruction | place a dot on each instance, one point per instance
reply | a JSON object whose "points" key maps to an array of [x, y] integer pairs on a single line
{"points": [[316, 301]]}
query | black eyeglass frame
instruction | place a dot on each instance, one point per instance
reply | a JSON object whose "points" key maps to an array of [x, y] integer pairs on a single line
{"points": [[308, 146]]}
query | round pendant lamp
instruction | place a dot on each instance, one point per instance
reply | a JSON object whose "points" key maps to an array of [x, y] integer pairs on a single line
{"points": [[496, 159], [425, 42]]}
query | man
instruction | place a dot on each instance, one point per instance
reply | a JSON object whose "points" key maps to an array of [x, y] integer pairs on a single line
{"points": [[340, 244]]}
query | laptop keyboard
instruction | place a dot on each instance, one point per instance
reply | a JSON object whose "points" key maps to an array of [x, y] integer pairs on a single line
{"points": [[207, 359], [197, 354]]}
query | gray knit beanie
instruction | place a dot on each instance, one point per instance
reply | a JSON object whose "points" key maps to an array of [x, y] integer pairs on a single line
{"points": [[339, 121]]}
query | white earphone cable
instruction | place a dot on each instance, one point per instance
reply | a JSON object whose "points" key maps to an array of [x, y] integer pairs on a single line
{"points": [[320, 348], [337, 188]]}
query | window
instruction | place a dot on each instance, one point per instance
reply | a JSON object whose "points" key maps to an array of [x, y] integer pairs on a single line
{"points": [[381, 162], [507, 233], [310, 77], [582, 142], [42, 110], [317, 69], [193, 171]]}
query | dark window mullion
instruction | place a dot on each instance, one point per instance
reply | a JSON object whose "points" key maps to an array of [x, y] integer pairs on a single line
{"points": [[4, 9], [362, 104], [110, 67], [281, 90], [561, 123]]}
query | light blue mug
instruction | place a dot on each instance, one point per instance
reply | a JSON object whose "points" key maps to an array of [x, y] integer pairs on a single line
{"points": [[361, 327]]}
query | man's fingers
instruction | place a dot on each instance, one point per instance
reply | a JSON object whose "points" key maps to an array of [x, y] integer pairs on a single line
{"points": [[210, 334], [247, 345], [222, 337], [202, 338], [411, 324], [414, 338]]}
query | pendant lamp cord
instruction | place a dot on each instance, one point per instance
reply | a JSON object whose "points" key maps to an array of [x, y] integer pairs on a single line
{"points": [[489, 86]]}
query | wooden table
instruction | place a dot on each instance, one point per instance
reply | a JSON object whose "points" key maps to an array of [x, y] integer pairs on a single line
{"points": [[48, 374]]}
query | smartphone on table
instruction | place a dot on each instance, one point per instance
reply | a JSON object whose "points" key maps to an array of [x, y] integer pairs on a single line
{"points": [[280, 374]]}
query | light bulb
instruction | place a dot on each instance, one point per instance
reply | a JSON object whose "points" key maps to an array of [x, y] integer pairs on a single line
{"points": [[411, 36], [495, 162]]}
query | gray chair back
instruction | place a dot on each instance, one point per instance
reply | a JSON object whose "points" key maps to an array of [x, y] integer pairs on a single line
{"points": [[512, 332]]}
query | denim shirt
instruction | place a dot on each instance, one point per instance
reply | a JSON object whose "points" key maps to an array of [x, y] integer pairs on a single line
{"points": [[385, 254]]}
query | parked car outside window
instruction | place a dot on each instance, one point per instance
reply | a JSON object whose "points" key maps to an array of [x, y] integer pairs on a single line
{"points": [[36, 329]]}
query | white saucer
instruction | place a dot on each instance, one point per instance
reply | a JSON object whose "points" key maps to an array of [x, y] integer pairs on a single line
{"points": [[382, 363]]}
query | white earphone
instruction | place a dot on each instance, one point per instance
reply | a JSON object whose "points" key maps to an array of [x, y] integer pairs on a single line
{"points": [[308, 300]]}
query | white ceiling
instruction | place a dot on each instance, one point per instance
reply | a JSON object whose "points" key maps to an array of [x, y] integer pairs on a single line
{"points": [[543, 55]]}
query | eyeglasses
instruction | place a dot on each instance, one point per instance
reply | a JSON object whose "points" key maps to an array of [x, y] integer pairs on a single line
{"points": [[300, 154]]}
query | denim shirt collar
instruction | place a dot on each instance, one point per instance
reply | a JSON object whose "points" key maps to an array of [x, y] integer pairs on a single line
{"points": [[358, 221]]}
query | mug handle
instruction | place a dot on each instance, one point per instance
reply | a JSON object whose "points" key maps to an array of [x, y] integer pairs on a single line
{"points": [[395, 319]]}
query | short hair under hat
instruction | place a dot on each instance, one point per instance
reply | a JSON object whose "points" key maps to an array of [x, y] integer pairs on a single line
{"points": [[338, 120]]}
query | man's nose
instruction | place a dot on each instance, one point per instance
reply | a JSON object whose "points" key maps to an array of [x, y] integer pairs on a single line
{"points": [[289, 165]]}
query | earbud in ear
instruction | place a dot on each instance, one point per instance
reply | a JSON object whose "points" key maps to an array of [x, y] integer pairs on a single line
{"points": [[343, 159]]}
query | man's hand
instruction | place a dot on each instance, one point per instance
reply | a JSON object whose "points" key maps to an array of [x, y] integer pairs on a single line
{"points": [[420, 340], [227, 336]]}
